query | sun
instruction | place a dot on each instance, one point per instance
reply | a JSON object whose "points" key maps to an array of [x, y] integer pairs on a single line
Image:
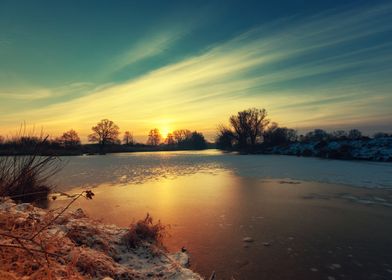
{"points": [[164, 131]]}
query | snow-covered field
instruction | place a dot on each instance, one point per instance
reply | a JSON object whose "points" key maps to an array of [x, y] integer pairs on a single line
{"points": [[134, 168]]}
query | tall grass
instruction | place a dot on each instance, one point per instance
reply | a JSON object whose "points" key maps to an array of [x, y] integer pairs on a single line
{"points": [[24, 175]]}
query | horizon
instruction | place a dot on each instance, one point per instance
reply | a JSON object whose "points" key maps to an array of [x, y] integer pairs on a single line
{"points": [[190, 66]]}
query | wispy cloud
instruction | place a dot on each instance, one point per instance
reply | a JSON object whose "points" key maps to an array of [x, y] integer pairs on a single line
{"points": [[330, 69], [30, 94], [148, 47]]}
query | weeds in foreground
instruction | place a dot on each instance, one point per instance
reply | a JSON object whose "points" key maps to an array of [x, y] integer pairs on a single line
{"points": [[28, 248], [24, 176], [145, 230], [34, 244]]}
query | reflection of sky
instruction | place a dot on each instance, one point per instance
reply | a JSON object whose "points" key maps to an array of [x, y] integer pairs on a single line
{"points": [[125, 169], [319, 63]]}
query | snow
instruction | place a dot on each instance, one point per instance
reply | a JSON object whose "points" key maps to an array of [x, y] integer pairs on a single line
{"points": [[379, 149], [101, 249]]}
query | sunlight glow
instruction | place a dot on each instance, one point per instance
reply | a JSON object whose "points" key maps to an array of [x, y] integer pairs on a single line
{"points": [[165, 130], [263, 68]]}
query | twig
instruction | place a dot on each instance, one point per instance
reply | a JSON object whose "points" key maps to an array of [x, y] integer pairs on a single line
{"points": [[31, 249], [57, 216], [27, 249]]}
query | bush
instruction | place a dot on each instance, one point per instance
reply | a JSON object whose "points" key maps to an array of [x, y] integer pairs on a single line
{"points": [[145, 230], [24, 177]]}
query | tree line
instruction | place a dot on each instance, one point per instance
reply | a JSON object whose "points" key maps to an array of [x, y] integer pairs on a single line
{"points": [[251, 131], [106, 133]]}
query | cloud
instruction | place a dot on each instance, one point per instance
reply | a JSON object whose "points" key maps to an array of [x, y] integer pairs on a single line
{"points": [[148, 47], [330, 69], [31, 94]]}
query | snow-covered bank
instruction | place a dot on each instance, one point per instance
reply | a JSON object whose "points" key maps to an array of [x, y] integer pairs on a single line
{"points": [[378, 149], [77, 247]]}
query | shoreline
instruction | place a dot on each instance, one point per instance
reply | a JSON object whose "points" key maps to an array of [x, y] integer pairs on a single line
{"points": [[278, 150], [86, 249], [293, 225]]}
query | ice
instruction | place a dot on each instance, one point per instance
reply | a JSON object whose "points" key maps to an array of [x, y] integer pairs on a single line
{"points": [[134, 168]]}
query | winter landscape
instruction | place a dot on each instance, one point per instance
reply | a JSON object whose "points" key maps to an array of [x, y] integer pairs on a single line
{"points": [[195, 140]]}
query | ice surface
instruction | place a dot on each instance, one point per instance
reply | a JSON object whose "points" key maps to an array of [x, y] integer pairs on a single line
{"points": [[133, 168]]}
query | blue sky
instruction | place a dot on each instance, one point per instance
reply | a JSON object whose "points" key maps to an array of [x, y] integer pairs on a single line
{"points": [[183, 64]]}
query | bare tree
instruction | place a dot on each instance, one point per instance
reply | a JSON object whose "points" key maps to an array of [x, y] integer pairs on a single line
{"points": [[128, 138], [105, 132], [69, 138], [225, 138], [275, 135], [181, 135], [170, 139], [317, 135], [249, 125], [154, 137]]}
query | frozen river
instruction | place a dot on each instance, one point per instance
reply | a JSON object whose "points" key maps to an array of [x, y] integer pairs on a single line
{"points": [[131, 168], [307, 218]]}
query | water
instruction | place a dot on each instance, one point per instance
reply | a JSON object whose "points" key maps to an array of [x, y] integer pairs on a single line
{"points": [[305, 223], [133, 168]]}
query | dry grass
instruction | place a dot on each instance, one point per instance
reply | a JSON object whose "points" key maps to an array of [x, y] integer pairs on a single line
{"points": [[24, 176], [44, 257], [145, 230], [29, 248], [41, 244]]}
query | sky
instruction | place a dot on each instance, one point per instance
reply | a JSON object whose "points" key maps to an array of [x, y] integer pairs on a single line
{"points": [[191, 64]]}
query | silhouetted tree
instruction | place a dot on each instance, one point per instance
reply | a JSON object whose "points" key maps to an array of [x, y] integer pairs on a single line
{"points": [[170, 139], [185, 139], [197, 141], [276, 135], [128, 138], [154, 137], [105, 132], [249, 125], [69, 139], [181, 135], [317, 135], [354, 134], [2, 140], [225, 138], [339, 135]]}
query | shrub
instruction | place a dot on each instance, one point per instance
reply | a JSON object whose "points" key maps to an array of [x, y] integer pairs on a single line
{"points": [[145, 230], [24, 177]]}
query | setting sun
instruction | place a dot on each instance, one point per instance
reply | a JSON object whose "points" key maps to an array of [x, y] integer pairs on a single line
{"points": [[258, 134], [165, 130]]}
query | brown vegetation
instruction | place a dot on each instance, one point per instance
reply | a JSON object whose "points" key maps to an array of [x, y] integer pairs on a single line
{"points": [[145, 230], [58, 244], [29, 248], [24, 177]]}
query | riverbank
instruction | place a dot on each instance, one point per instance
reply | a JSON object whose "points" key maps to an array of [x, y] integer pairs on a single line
{"points": [[94, 149], [77, 247], [367, 149], [295, 229], [379, 149]]}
